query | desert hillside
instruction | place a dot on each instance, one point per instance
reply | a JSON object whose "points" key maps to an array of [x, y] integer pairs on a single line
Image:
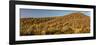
{"points": [[68, 24]]}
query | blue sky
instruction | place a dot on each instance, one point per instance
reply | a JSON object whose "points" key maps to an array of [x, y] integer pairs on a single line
{"points": [[36, 13]]}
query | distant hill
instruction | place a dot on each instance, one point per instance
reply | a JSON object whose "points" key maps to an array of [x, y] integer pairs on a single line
{"points": [[67, 24]]}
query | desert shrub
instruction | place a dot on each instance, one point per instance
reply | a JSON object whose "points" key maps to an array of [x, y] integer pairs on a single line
{"points": [[69, 31], [85, 30]]}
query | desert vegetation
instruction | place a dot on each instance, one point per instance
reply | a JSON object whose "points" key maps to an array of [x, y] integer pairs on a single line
{"points": [[73, 23]]}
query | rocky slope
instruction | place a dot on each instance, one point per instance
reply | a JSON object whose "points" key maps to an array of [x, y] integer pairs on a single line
{"points": [[68, 24]]}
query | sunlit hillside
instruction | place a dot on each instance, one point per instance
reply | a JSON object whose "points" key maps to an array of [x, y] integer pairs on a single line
{"points": [[73, 23]]}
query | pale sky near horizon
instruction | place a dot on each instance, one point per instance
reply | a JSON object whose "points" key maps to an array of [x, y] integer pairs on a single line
{"points": [[25, 13]]}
